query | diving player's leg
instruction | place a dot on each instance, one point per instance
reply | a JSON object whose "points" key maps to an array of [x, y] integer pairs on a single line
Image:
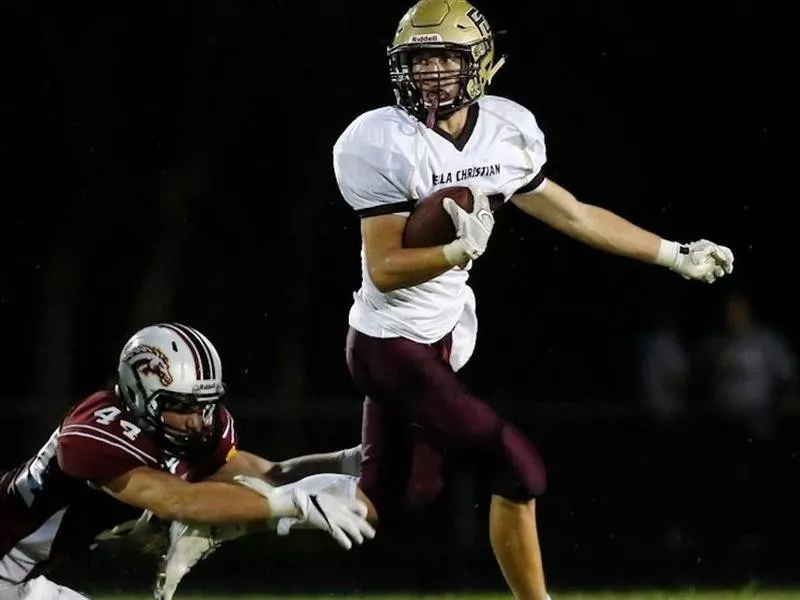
{"points": [[39, 588]]}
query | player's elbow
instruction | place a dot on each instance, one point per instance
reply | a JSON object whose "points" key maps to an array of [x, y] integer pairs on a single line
{"points": [[384, 286], [381, 276]]}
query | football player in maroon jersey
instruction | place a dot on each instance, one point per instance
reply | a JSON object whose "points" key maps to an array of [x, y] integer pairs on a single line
{"points": [[161, 441]]}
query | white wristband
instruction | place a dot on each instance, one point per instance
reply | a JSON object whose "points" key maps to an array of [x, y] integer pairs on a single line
{"points": [[668, 254], [350, 460], [454, 252]]}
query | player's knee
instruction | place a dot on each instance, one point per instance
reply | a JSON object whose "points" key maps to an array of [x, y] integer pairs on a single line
{"points": [[418, 496], [522, 476], [391, 509]]}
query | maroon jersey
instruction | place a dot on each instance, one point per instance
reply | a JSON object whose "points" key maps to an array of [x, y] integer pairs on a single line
{"points": [[51, 507]]}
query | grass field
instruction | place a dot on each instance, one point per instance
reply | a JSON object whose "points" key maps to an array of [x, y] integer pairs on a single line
{"points": [[643, 595]]}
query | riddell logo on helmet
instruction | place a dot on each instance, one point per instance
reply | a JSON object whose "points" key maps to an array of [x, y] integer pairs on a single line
{"points": [[149, 360], [425, 38], [205, 386]]}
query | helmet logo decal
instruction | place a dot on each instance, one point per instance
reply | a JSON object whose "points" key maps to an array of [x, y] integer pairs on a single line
{"points": [[476, 17], [149, 360]]}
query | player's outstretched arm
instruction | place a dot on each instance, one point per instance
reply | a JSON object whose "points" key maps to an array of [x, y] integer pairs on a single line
{"points": [[215, 503], [171, 498], [604, 230], [344, 462]]}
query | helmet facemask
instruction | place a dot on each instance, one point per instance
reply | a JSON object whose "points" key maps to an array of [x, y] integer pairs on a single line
{"points": [[149, 412], [433, 94], [181, 442]]}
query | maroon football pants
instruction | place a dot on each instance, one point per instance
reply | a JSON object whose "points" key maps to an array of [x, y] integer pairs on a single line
{"points": [[416, 412]]}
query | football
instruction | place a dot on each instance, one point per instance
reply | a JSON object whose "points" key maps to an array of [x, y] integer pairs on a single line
{"points": [[429, 224]]}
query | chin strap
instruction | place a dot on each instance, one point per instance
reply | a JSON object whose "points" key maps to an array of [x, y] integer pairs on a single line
{"points": [[495, 69]]}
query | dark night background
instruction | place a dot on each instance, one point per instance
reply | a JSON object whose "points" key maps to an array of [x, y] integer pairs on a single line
{"points": [[172, 161]]}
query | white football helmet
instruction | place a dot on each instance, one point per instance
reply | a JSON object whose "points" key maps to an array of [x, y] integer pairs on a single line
{"points": [[172, 367]]}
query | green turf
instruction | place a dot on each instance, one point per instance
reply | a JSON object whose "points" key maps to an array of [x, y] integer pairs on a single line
{"points": [[643, 595]]}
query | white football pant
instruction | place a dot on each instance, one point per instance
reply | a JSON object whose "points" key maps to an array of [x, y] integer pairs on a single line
{"points": [[40, 588]]}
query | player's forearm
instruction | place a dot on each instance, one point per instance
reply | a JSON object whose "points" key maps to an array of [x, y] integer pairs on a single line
{"points": [[207, 502], [592, 225], [216, 503], [406, 267], [288, 471], [606, 231], [242, 463]]}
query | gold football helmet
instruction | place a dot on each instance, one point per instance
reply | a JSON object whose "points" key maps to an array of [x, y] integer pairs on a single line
{"points": [[454, 26]]}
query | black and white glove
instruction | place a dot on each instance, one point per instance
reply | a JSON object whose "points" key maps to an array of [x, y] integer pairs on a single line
{"points": [[343, 519]]}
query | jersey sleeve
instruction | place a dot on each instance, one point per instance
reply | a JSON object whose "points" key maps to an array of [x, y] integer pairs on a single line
{"points": [[96, 442], [533, 147], [372, 177]]}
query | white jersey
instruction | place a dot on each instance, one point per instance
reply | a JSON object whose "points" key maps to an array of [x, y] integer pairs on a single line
{"points": [[387, 160]]}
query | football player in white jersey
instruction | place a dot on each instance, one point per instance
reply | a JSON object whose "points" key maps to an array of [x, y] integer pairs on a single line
{"points": [[413, 324]]}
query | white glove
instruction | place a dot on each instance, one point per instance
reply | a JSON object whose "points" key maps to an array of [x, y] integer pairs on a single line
{"points": [[344, 520], [472, 228], [701, 260], [343, 487]]}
